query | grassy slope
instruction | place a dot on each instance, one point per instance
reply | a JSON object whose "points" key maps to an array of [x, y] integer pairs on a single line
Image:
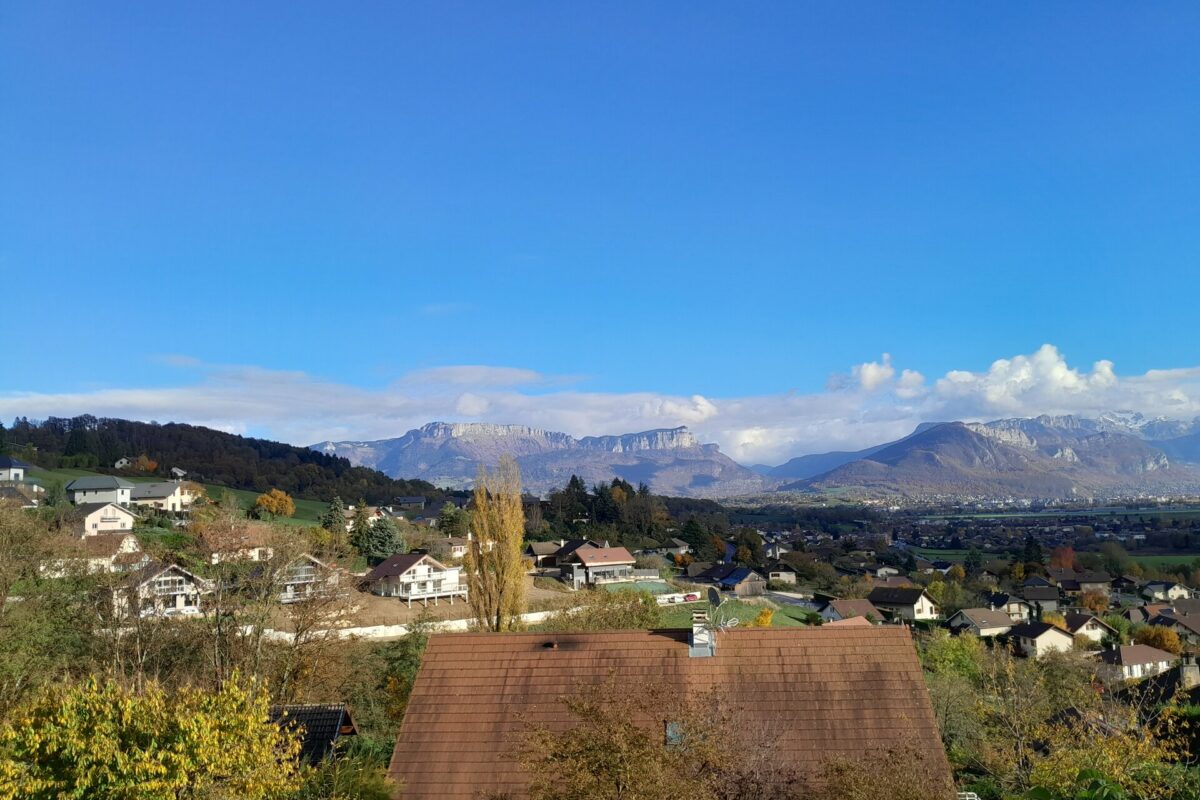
{"points": [[680, 616], [308, 512]]}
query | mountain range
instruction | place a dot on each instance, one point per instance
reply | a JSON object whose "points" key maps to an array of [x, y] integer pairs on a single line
{"points": [[1044, 457], [670, 460]]}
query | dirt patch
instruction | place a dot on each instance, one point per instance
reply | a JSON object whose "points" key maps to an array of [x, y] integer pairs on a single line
{"points": [[368, 609]]}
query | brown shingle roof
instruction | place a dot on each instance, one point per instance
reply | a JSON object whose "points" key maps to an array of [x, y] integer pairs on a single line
{"points": [[987, 618], [855, 608], [398, 565], [830, 691], [1130, 654]]}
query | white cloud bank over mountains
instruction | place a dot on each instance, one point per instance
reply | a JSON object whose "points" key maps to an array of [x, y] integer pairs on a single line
{"points": [[873, 402]]}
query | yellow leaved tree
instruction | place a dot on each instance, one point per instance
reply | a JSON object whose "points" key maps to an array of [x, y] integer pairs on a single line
{"points": [[102, 740], [277, 503], [494, 566]]}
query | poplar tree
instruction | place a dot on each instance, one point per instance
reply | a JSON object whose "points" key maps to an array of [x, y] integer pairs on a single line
{"points": [[494, 565]]}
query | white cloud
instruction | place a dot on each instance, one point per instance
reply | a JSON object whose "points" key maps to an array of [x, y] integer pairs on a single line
{"points": [[872, 403], [874, 374]]}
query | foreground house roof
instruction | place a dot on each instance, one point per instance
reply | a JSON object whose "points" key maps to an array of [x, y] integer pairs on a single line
{"points": [[850, 691]]}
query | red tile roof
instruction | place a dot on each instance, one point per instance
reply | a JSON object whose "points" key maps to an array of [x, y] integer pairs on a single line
{"points": [[830, 691], [601, 556]]}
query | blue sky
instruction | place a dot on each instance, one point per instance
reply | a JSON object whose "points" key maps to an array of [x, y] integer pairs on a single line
{"points": [[630, 200]]}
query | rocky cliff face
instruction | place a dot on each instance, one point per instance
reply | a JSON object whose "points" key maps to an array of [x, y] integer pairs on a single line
{"points": [[670, 460]]}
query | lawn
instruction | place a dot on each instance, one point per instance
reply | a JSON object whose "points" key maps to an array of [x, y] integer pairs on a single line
{"points": [[308, 512], [1158, 562], [680, 616]]}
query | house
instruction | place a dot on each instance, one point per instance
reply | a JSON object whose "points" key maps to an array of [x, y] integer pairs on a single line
{"points": [[253, 542], [908, 604], [306, 577], [161, 590], [1036, 581], [91, 519], [1017, 609], [983, 622], [113, 552], [455, 742], [1089, 627], [12, 470], [413, 503], [542, 553], [1036, 639], [164, 496], [742, 581], [99, 489], [22, 495], [567, 548], [98, 554], [1140, 615], [124, 462], [1042, 598], [1075, 583], [1134, 662], [1165, 590], [1186, 625], [416, 576], [591, 566], [457, 546], [178, 474], [319, 726], [779, 572], [840, 609]]}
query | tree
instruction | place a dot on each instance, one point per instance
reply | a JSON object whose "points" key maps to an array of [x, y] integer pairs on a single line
{"points": [[1062, 558], [1094, 601], [453, 521], [1055, 619], [956, 573], [334, 518], [1032, 553], [973, 563], [275, 503], [1158, 636], [608, 611], [360, 523], [494, 565], [100, 740], [378, 540]]}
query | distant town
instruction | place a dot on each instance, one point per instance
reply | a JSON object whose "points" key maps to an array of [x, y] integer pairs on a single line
{"points": [[349, 613]]}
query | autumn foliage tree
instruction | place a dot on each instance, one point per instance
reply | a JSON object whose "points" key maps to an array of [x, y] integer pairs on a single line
{"points": [[1158, 636], [1096, 602], [100, 740], [494, 565], [1062, 558], [276, 503]]}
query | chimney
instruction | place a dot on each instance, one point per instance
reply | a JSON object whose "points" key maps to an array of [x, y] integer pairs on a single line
{"points": [[1189, 673], [703, 642]]}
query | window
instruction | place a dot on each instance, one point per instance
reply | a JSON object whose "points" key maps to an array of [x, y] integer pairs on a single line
{"points": [[673, 734]]}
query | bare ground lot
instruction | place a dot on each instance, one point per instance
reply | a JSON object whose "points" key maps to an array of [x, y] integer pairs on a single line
{"points": [[364, 609]]}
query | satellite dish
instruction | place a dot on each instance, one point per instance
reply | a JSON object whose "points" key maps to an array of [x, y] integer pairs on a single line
{"points": [[714, 598]]}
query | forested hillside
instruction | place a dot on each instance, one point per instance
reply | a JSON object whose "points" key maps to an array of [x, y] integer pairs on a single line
{"points": [[208, 456]]}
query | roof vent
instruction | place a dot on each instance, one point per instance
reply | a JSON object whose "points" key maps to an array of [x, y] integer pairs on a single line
{"points": [[550, 645], [703, 642]]}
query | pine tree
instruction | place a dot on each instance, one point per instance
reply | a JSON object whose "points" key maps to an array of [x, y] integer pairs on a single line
{"points": [[334, 519]]}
